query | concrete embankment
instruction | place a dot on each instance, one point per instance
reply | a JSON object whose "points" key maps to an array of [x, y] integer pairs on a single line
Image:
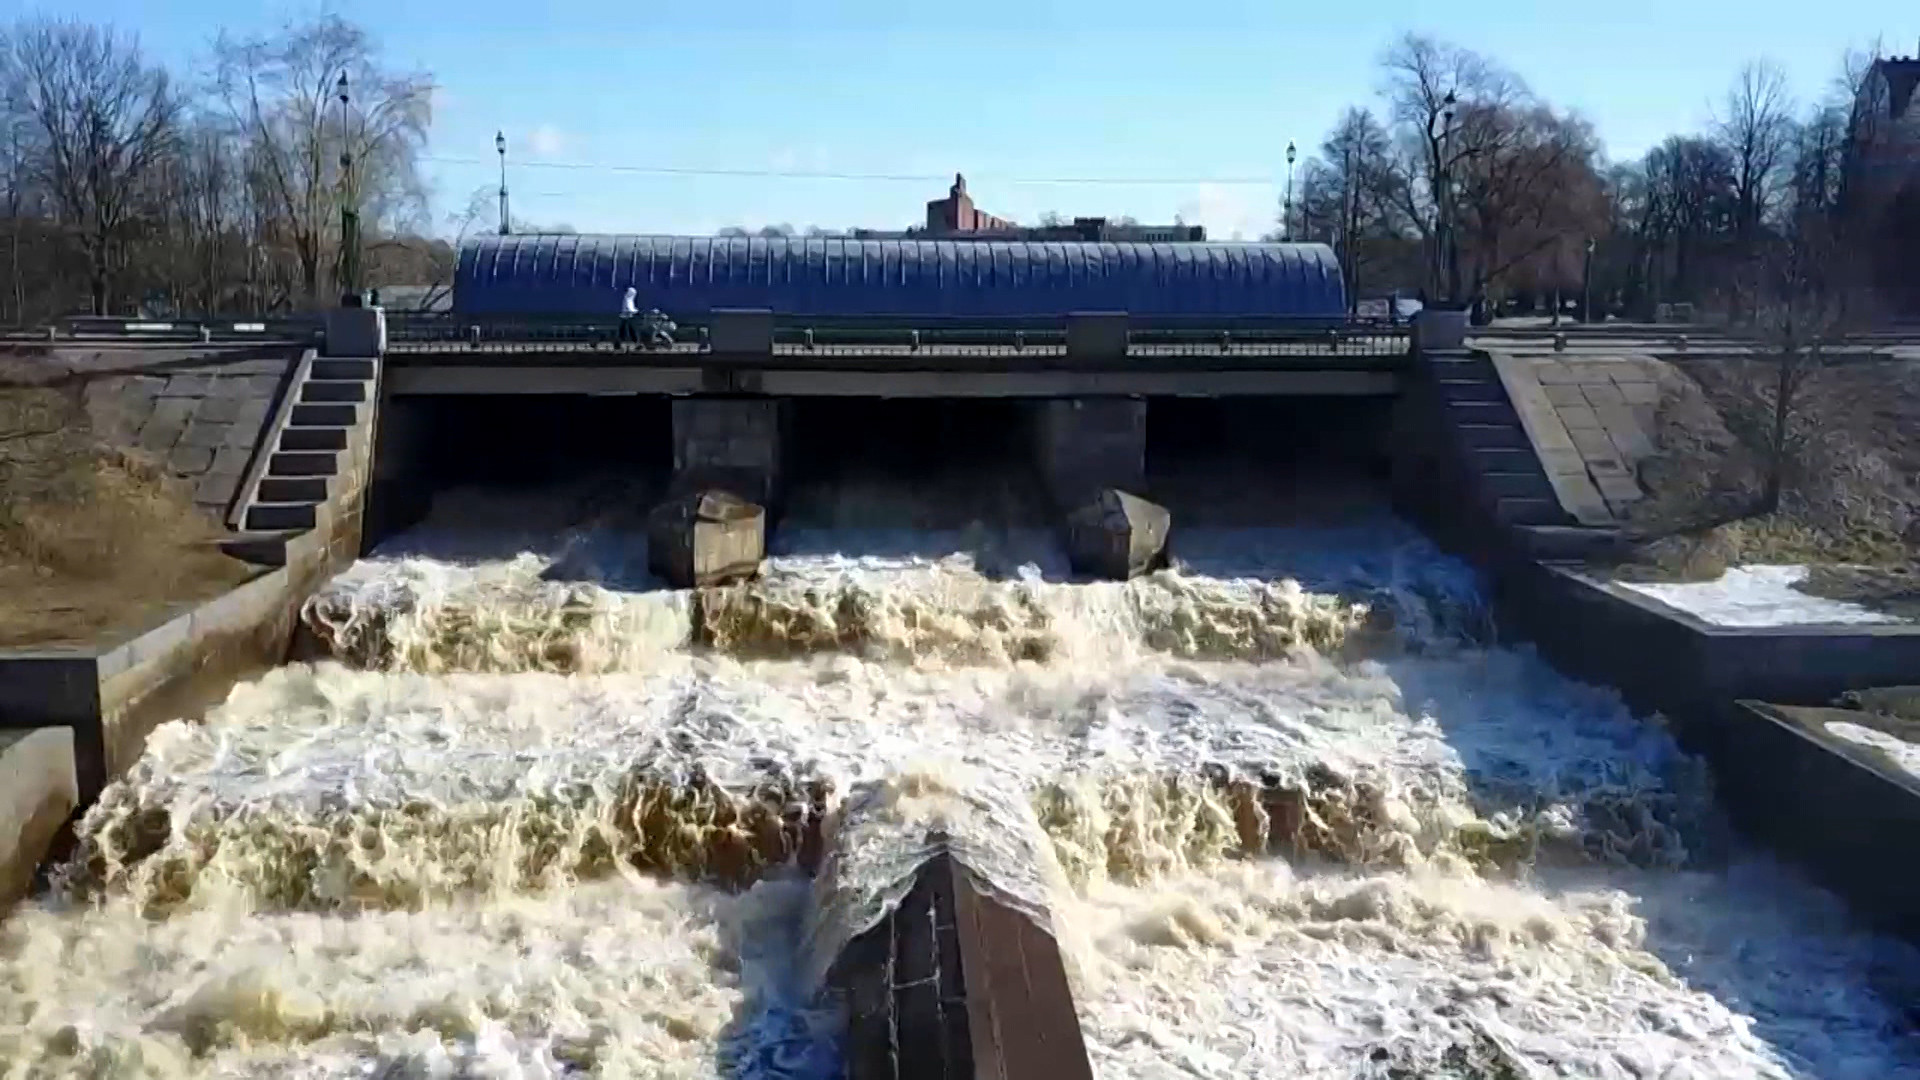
{"points": [[74, 718], [1525, 465]]}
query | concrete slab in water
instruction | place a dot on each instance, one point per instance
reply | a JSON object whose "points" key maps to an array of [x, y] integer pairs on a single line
{"points": [[955, 983], [38, 793]]}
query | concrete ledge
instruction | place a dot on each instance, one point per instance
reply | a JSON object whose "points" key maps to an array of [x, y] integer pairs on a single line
{"points": [[1850, 820], [850, 382], [480, 379], [38, 794], [1835, 808], [1666, 659]]}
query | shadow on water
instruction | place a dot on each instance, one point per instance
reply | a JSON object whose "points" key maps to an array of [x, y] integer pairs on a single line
{"points": [[776, 1033], [1731, 923]]}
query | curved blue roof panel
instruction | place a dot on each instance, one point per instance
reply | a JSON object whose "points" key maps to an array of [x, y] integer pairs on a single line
{"points": [[690, 276]]}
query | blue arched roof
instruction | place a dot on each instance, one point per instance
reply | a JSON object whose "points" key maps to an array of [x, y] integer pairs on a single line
{"points": [[689, 276]]}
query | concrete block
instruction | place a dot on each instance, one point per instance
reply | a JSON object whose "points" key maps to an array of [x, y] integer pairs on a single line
{"points": [[230, 459], [355, 332], [218, 410], [1118, 536], [189, 460], [1639, 393], [216, 488], [706, 538], [189, 386], [1097, 335], [1563, 395], [1578, 417], [209, 436], [162, 429], [741, 330], [1434, 329]]}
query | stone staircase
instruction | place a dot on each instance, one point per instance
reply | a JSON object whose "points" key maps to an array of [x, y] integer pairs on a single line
{"points": [[304, 462], [1484, 458], [1499, 461]]}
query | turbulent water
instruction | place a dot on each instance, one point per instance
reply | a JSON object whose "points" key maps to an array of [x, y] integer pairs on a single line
{"points": [[1288, 811]]}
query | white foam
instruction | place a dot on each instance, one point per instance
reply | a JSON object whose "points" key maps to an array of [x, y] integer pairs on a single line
{"points": [[433, 827], [1902, 753], [1756, 596]]}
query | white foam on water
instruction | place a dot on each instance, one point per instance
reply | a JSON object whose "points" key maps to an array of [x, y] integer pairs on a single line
{"points": [[416, 871], [1903, 754], [624, 977], [1756, 596]]}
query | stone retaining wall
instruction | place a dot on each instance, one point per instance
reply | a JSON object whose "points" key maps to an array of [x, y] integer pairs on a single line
{"points": [[202, 413], [72, 720]]}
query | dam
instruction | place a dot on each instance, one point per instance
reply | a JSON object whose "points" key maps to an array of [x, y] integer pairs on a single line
{"points": [[1333, 785]]}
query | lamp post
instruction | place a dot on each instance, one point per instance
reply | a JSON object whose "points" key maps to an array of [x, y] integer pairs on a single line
{"points": [[1442, 173], [1286, 214], [349, 213], [1350, 210], [500, 145], [1586, 285]]}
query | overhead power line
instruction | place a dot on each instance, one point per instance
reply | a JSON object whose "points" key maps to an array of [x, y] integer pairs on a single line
{"points": [[916, 178]]}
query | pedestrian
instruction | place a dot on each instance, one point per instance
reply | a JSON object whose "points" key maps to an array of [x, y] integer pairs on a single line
{"points": [[629, 309], [659, 329]]}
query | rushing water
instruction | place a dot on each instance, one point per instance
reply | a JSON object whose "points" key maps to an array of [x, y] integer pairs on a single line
{"points": [[1290, 813]]}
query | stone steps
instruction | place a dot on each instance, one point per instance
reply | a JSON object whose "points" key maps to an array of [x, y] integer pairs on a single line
{"points": [[1502, 467], [304, 456]]}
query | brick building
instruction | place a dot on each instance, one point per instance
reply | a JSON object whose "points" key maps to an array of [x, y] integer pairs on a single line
{"points": [[956, 217], [1883, 183], [1886, 130], [957, 214]]}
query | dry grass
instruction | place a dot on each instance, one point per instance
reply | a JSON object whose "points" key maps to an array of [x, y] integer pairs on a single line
{"points": [[1850, 506], [95, 541]]}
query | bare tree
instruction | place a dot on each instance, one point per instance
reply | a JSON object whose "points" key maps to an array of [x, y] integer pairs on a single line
{"points": [[317, 157], [103, 120], [1755, 126], [1427, 85]]}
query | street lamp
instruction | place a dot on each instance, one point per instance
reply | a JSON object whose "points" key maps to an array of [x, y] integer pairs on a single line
{"points": [[349, 213], [1586, 285], [500, 145], [1442, 173], [1286, 216]]}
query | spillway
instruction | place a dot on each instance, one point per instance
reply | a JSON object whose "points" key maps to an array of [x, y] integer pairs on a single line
{"points": [[519, 811]]}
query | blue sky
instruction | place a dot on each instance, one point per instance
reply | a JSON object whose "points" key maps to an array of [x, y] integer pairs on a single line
{"points": [[1007, 92]]}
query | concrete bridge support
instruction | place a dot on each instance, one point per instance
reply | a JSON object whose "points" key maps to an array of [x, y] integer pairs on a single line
{"points": [[732, 443], [727, 472], [1084, 445], [1092, 457]]}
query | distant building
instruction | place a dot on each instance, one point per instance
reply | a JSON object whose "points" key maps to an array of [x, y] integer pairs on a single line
{"points": [[956, 214], [957, 218], [1886, 132], [1883, 179]]}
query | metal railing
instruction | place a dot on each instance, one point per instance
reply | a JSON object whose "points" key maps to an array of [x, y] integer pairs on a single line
{"points": [[301, 328], [880, 335], [1033, 336]]}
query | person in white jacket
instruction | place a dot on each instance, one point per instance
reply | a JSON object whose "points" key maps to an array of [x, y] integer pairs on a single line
{"points": [[629, 308]]}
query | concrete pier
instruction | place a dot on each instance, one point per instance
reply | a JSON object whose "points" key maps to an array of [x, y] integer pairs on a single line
{"points": [[706, 538], [1085, 445], [1091, 454], [729, 443]]}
